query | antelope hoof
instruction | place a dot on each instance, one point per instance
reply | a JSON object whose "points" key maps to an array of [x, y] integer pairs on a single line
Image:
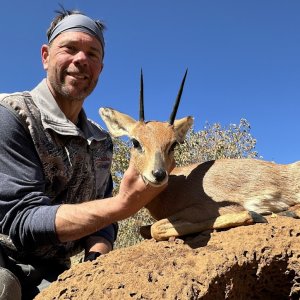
{"points": [[296, 213], [145, 232], [291, 214], [162, 230], [257, 218]]}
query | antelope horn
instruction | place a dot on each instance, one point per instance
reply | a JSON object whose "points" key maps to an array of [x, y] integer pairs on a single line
{"points": [[174, 112], [142, 115]]}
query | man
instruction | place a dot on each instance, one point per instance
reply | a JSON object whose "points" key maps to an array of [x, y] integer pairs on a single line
{"points": [[55, 193]]}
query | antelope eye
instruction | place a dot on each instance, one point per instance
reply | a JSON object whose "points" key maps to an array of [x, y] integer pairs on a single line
{"points": [[136, 144], [173, 146]]}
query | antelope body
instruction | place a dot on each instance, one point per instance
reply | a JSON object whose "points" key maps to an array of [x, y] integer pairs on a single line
{"points": [[215, 194]]}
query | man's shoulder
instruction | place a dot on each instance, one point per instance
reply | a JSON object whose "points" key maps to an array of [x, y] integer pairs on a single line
{"points": [[6, 100], [11, 105], [4, 95], [13, 97]]}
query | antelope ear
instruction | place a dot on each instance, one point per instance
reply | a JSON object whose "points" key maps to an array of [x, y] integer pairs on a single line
{"points": [[181, 127], [117, 123]]}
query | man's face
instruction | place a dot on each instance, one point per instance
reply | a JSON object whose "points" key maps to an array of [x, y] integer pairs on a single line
{"points": [[73, 63]]}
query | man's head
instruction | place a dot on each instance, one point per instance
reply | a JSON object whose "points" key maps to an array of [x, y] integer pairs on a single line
{"points": [[73, 58], [67, 20]]}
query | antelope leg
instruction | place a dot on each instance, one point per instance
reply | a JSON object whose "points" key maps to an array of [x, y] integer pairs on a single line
{"points": [[293, 212], [296, 210], [174, 227]]}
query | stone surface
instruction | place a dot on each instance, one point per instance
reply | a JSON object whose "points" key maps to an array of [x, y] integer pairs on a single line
{"points": [[260, 261]]}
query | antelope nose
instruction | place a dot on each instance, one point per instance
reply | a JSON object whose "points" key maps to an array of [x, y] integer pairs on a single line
{"points": [[159, 174]]}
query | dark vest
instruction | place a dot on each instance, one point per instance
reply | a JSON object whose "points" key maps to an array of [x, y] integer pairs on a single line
{"points": [[76, 167]]}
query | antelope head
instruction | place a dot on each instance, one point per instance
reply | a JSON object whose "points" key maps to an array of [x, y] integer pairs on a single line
{"points": [[153, 141]]}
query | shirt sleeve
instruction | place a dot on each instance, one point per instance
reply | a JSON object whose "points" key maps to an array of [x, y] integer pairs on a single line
{"points": [[26, 214]]}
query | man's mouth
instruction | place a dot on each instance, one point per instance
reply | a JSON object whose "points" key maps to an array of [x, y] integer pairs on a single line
{"points": [[78, 76]]}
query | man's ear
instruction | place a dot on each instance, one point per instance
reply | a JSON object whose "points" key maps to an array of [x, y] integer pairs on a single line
{"points": [[102, 66], [45, 56], [117, 123]]}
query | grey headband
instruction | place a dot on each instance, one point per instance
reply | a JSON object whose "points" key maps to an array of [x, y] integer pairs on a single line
{"points": [[77, 22]]}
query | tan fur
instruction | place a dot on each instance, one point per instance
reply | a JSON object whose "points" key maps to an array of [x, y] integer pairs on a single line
{"points": [[155, 138], [203, 196]]}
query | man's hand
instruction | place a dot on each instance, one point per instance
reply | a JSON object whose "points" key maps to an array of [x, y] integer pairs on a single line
{"points": [[134, 193]]}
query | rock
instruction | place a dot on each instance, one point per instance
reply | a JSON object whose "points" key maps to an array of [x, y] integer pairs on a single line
{"points": [[260, 261]]}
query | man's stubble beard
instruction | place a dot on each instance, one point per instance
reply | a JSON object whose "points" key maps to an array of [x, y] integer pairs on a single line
{"points": [[64, 91]]}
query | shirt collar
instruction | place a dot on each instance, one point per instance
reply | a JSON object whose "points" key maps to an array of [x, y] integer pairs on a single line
{"points": [[53, 118]]}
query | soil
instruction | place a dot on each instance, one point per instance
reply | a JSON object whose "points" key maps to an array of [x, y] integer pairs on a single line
{"points": [[260, 261]]}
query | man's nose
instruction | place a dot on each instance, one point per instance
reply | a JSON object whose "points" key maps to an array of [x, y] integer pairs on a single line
{"points": [[80, 57]]}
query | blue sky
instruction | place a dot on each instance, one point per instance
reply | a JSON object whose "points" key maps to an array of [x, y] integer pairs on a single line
{"points": [[243, 59]]}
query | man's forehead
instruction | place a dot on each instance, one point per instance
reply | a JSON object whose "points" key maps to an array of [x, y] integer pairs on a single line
{"points": [[78, 37], [78, 23]]}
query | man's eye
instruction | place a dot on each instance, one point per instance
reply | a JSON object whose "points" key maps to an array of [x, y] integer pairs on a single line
{"points": [[70, 49], [94, 56]]}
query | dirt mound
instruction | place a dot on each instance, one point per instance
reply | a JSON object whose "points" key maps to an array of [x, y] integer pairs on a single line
{"points": [[260, 261]]}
